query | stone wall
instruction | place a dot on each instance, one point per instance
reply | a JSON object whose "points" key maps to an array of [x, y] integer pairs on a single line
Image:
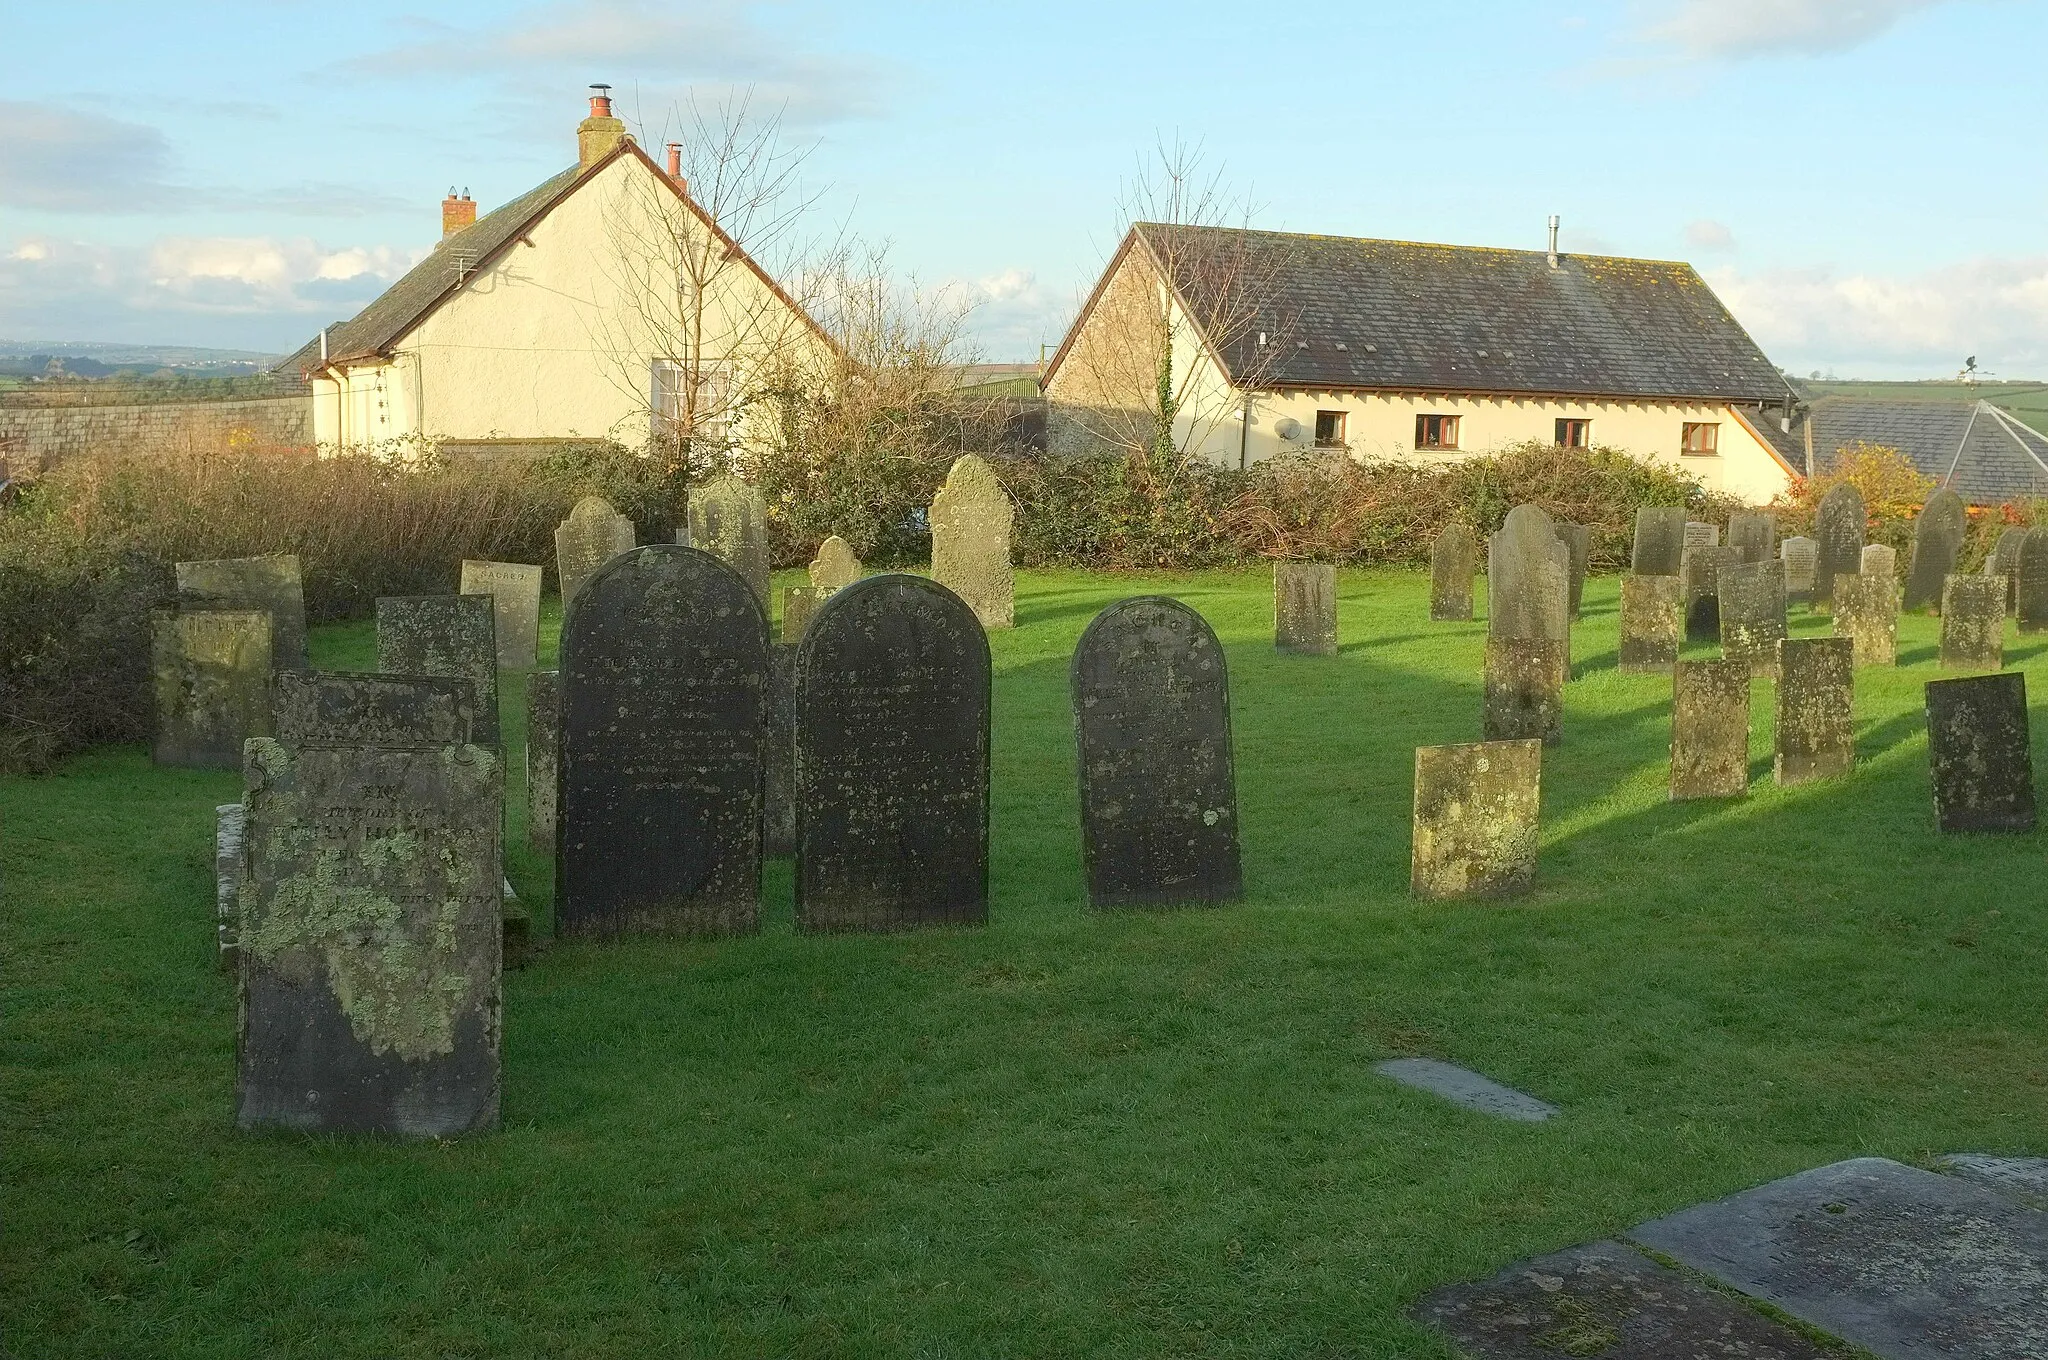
{"points": [[33, 437]]}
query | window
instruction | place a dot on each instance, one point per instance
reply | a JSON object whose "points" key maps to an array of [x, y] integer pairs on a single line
{"points": [[1700, 438], [1329, 429], [673, 415], [1436, 432], [1574, 434]]}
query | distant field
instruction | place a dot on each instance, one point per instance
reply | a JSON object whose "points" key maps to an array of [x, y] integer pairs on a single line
{"points": [[2027, 400]]}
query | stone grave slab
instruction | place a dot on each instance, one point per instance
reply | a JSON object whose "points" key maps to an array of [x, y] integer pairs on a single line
{"points": [[1701, 535], [1754, 534], [2023, 1179], [798, 604], [1528, 579], [1158, 788], [1453, 562], [1973, 623], [1937, 543], [1906, 1263], [1867, 614], [1978, 753], [212, 682], [1578, 543], [729, 520], [778, 760], [2030, 592], [2005, 561], [342, 708], [835, 567], [1700, 570], [1524, 690], [1305, 608], [593, 534], [514, 588], [227, 880], [543, 743], [1651, 622], [1815, 736], [1475, 827], [272, 584], [1801, 557], [451, 635], [1462, 1086], [1710, 729], [1659, 542], [1751, 600], [1838, 530], [971, 518]]}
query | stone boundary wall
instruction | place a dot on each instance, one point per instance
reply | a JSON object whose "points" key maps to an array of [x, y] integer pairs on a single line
{"points": [[32, 438]]}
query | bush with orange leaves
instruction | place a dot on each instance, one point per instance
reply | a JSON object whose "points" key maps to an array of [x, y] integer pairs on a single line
{"points": [[1893, 492]]}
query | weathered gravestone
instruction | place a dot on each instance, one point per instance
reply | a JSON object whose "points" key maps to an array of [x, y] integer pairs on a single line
{"points": [[1937, 542], [1651, 623], [1305, 608], [1453, 562], [1838, 530], [2005, 561], [2030, 595], [514, 588], [272, 584], [339, 708], [1752, 606], [1158, 793], [370, 939], [1754, 534], [1978, 753], [1475, 824], [543, 744], [212, 682], [1699, 535], [1578, 545], [1973, 623], [227, 880], [970, 519], [1801, 557], [778, 761], [593, 534], [1524, 689], [1710, 729], [1880, 559], [1660, 541], [799, 603], [1700, 571], [1867, 613], [892, 760], [664, 698], [835, 567], [1528, 579], [452, 635], [729, 521], [1815, 735]]}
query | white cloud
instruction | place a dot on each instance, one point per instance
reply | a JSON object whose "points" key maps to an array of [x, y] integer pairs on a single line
{"points": [[1747, 28], [1709, 235], [1014, 314]]}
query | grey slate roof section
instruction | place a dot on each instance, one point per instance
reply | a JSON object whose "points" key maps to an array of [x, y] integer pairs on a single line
{"points": [[1441, 318], [1980, 452]]}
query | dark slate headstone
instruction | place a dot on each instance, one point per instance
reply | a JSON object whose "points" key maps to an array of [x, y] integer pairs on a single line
{"points": [[593, 534], [971, 518], [1462, 1086], [1752, 607], [1650, 622], [228, 862], [272, 584], [514, 588], [543, 745], [1305, 608], [1754, 534], [1801, 557], [453, 635], [1937, 542], [1152, 723], [1838, 529], [892, 757], [1978, 753], [212, 682], [1453, 562], [729, 521], [339, 708], [1524, 690], [1578, 543], [1660, 541], [798, 604], [1905, 1263], [778, 762], [1867, 613], [1475, 829], [1528, 579], [370, 947], [1815, 734], [664, 696], [1973, 623], [2030, 593], [2005, 561], [1700, 572], [1710, 729]]}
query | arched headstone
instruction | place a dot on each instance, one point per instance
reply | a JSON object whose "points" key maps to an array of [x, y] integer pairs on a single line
{"points": [[729, 521], [1453, 562], [2005, 561], [1838, 528], [1937, 542], [2030, 597], [835, 567], [593, 534], [1528, 579], [1659, 542], [970, 521]]}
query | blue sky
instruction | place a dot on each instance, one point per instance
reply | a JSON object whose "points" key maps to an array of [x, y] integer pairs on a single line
{"points": [[1861, 180]]}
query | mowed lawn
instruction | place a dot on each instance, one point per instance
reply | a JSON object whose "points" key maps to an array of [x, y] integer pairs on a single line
{"points": [[1066, 1133]]}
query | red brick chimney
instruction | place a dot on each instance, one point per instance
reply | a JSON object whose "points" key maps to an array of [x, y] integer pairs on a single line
{"points": [[675, 166], [456, 213], [600, 132]]}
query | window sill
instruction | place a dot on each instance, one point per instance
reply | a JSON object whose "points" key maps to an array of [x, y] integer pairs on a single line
{"points": [[1684, 454], [1437, 448]]}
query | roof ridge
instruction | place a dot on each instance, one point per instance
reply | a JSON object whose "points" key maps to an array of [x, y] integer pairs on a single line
{"points": [[1408, 241]]}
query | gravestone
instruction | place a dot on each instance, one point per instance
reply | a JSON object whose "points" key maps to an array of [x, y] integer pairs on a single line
{"points": [[1710, 729], [1475, 823], [1978, 753], [1578, 545], [1754, 534], [1700, 571], [1305, 608], [778, 763], [1973, 623], [452, 635], [729, 521], [1462, 1086], [272, 584], [1700, 535], [835, 567], [663, 700], [543, 745], [227, 881], [1659, 542], [1528, 579], [1651, 622], [1752, 605], [2030, 593], [798, 604], [593, 534], [2005, 561], [1937, 542], [212, 671], [1867, 613], [1801, 557], [514, 588], [1152, 723], [1453, 562], [892, 760], [340, 708], [1880, 559], [1838, 529], [970, 519], [1815, 735], [370, 939], [1524, 690]]}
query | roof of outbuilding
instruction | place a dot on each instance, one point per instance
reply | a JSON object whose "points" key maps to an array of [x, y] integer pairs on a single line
{"points": [[1982, 453]]}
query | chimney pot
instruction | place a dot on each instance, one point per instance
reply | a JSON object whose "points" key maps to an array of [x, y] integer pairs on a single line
{"points": [[600, 134], [1553, 240], [456, 212]]}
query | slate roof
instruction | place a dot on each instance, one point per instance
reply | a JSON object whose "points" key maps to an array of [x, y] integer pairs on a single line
{"points": [[1982, 453]]}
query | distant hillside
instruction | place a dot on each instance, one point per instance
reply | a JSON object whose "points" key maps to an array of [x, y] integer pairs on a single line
{"points": [[2027, 400]]}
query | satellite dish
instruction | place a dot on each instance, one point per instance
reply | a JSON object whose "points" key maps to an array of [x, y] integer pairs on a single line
{"points": [[1287, 427]]}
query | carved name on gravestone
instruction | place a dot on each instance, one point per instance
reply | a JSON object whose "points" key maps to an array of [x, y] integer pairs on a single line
{"points": [[227, 881], [1701, 535], [2005, 561], [2030, 595], [799, 603], [593, 534], [272, 584], [892, 760], [514, 588], [339, 708], [1752, 605], [1754, 534], [1937, 542], [1524, 689], [664, 694], [1838, 531], [1528, 579], [1700, 572], [1578, 544], [1867, 613], [729, 521], [1305, 608], [1158, 792], [1801, 557], [1453, 562], [452, 635], [778, 760], [1651, 622], [370, 939], [1973, 623], [970, 519], [1815, 735], [1978, 753], [1660, 541], [212, 683], [835, 567], [1476, 810], [543, 742], [1710, 729]]}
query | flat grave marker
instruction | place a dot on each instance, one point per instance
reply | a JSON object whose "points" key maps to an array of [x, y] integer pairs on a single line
{"points": [[1461, 1086]]}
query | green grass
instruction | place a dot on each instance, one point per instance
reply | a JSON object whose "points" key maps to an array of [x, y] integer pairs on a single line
{"points": [[1063, 1134]]}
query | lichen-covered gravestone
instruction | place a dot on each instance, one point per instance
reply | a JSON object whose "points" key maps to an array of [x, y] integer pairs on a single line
{"points": [[1305, 608], [1453, 562], [1978, 753], [514, 588], [212, 683], [2030, 595], [729, 520], [1838, 530], [1651, 622], [664, 696], [1752, 607], [1528, 579], [593, 534], [1475, 829], [1158, 792], [892, 760], [1973, 623], [835, 567], [543, 743], [1754, 534], [1578, 545], [1524, 689], [1815, 735], [1937, 541], [1701, 572], [370, 939], [453, 635], [778, 761], [2005, 561], [1801, 557], [272, 584], [1659, 542], [1880, 559], [798, 604], [970, 519], [1701, 535], [1867, 613], [1710, 728], [340, 708]]}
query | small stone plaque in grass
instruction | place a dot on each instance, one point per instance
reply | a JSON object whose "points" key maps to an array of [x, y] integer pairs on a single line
{"points": [[1462, 1086]]}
